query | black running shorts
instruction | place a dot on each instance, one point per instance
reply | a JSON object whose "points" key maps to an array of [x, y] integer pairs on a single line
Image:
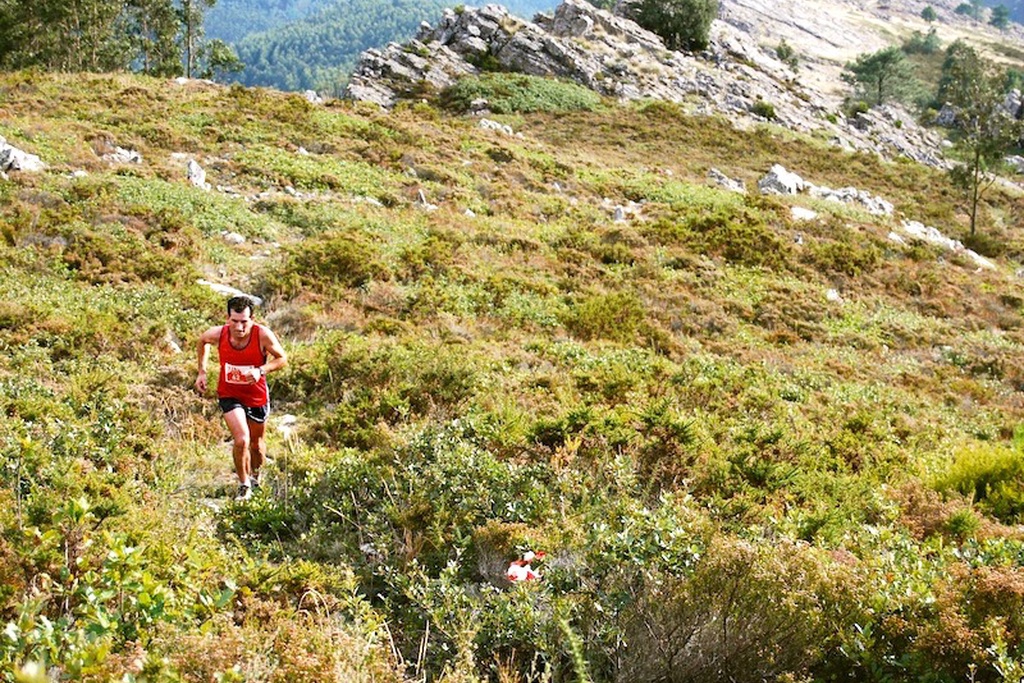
{"points": [[258, 414]]}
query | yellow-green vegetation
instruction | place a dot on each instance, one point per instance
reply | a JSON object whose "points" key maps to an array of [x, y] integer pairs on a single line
{"points": [[752, 449]]}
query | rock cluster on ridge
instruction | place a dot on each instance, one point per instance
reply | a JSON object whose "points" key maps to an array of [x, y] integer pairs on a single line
{"points": [[735, 77]]}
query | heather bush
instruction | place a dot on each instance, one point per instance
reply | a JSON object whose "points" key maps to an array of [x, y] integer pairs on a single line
{"points": [[746, 613], [847, 257], [740, 236], [370, 387], [508, 93], [323, 265], [616, 316], [991, 475]]}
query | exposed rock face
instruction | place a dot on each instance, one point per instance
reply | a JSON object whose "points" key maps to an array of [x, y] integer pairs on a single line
{"points": [[14, 159], [826, 34], [736, 77], [782, 182]]}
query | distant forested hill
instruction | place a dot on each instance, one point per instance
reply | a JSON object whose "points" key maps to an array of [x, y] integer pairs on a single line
{"points": [[313, 44], [233, 20]]}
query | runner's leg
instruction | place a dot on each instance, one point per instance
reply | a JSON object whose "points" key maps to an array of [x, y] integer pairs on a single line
{"points": [[241, 441], [257, 444]]}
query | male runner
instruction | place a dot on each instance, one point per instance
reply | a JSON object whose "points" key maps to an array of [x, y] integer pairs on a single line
{"points": [[247, 353]]}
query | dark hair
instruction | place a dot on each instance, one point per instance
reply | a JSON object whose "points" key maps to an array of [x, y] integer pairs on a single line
{"points": [[238, 304]]}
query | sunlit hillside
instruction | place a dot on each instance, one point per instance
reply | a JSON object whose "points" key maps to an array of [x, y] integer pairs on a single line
{"points": [[751, 446]]}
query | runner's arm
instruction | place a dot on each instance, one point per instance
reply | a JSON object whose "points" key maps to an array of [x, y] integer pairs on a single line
{"points": [[208, 337], [272, 349]]}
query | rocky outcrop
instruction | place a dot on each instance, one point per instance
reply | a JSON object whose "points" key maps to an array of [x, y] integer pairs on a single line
{"points": [[14, 159], [735, 77], [780, 181], [925, 233]]}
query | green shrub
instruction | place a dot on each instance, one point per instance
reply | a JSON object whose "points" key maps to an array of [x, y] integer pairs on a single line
{"points": [[919, 43], [617, 316], [423, 501], [323, 265], [682, 24], [747, 613], [786, 54], [859, 107], [519, 94], [738, 234], [966, 9], [848, 257], [763, 109], [992, 476], [373, 389]]}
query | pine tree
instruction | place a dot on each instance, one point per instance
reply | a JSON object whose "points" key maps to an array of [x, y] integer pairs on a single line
{"points": [[682, 24], [1000, 17], [984, 129], [882, 76]]}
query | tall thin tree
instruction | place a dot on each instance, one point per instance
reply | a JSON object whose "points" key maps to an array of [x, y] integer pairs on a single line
{"points": [[984, 129], [191, 14]]}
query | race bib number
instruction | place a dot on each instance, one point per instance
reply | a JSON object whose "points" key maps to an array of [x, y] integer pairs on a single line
{"points": [[237, 374]]}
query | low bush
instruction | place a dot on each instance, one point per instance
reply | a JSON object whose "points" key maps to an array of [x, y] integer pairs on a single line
{"points": [[992, 476], [845, 257], [323, 265], [508, 93], [738, 235], [763, 109], [617, 316], [746, 613], [372, 388], [787, 55]]}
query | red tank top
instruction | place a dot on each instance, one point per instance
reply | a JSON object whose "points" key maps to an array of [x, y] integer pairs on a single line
{"points": [[234, 364]]}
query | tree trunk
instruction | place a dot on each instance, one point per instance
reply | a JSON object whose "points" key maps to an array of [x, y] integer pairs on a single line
{"points": [[975, 187]]}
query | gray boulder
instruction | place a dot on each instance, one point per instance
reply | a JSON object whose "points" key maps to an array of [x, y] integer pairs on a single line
{"points": [[14, 159], [780, 181]]}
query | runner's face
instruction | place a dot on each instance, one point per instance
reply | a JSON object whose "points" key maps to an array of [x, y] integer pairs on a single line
{"points": [[240, 324]]}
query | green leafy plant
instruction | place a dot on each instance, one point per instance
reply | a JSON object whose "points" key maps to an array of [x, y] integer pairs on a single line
{"points": [[507, 93], [991, 477]]}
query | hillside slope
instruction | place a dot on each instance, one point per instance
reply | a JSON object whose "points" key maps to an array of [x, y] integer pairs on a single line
{"points": [[827, 34], [758, 437]]}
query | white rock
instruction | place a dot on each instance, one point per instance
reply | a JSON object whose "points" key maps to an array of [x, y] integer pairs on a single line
{"points": [[120, 155], [196, 175], [800, 213], [14, 159], [721, 180], [780, 181], [228, 290], [488, 124]]}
